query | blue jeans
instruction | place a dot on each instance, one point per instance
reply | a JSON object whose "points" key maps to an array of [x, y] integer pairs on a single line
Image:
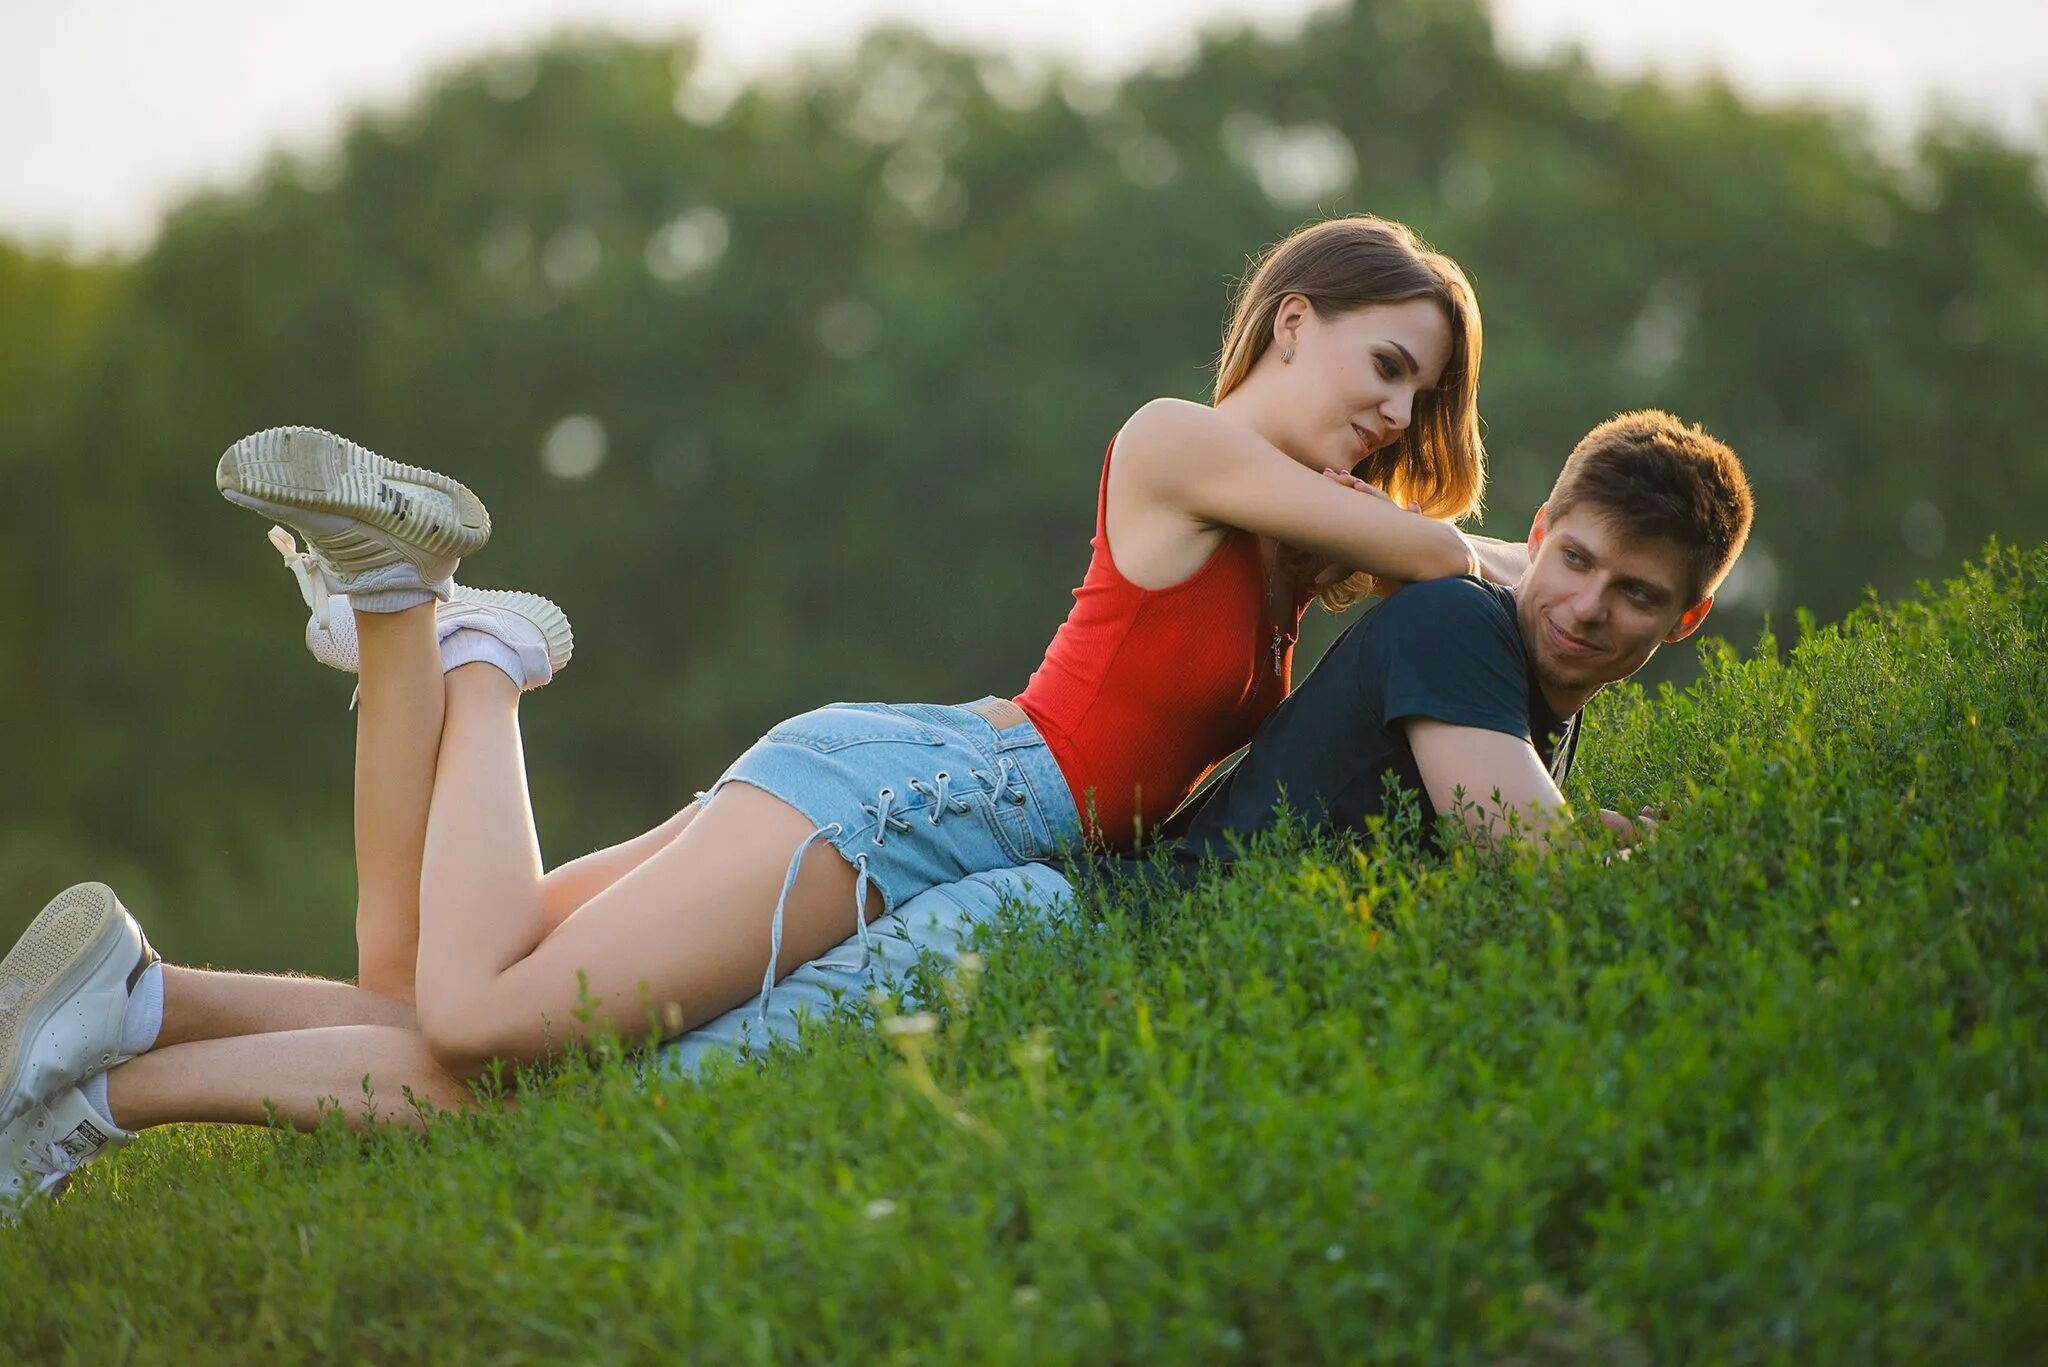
{"points": [[938, 920]]}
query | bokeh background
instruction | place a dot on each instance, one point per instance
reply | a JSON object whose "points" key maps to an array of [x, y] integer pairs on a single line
{"points": [[790, 377]]}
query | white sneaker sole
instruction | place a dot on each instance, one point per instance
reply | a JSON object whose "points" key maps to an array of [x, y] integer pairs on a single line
{"points": [[304, 467], [68, 942], [550, 621]]}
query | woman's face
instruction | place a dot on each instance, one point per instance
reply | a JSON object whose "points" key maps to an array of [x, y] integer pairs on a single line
{"points": [[1355, 377]]}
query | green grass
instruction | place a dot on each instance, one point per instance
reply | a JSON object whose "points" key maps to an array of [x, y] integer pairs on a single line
{"points": [[1769, 1090]]}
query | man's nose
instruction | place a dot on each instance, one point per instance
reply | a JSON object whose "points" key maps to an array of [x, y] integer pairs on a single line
{"points": [[1589, 604]]}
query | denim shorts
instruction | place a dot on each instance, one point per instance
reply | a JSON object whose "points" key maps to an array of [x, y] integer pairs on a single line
{"points": [[914, 796], [937, 922]]}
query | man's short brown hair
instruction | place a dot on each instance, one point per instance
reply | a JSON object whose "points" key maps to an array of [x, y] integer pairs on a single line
{"points": [[1657, 477]]}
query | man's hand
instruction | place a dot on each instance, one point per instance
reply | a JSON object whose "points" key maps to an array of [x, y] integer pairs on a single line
{"points": [[1633, 830]]}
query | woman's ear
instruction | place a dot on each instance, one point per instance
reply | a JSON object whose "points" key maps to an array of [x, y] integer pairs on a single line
{"points": [[1287, 320]]}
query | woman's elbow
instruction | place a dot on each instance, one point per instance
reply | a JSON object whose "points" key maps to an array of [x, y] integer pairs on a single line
{"points": [[1453, 555]]}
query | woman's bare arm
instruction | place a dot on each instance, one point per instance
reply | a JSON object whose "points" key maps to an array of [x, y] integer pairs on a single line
{"points": [[1188, 457]]}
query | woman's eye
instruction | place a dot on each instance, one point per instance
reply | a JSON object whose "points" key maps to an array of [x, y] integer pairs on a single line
{"points": [[1385, 367]]}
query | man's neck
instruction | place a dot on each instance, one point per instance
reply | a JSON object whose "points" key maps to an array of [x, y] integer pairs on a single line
{"points": [[1566, 704]]}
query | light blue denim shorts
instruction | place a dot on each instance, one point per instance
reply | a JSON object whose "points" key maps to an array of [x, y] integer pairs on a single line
{"points": [[914, 796], [937, 922]]}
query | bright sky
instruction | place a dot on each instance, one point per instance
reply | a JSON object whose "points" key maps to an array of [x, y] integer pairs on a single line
{"points": [[109, 110]]}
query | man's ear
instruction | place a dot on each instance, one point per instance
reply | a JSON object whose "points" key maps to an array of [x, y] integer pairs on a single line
{"points": [[1690, 622], [1536, 528]]}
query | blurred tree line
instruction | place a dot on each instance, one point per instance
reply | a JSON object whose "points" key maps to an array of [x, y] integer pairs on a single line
{"points": [[799, 391]]}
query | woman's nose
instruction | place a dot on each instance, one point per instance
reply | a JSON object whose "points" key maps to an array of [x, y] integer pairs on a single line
{"points": [[1398, 410]]}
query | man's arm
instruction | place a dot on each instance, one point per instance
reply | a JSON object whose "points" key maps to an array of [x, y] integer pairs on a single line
{"points": [[1479, 763], [1503, 562], [1464, 766]]}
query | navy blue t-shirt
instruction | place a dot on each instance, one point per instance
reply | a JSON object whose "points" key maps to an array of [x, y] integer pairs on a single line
{"points": [[1447, 649]]}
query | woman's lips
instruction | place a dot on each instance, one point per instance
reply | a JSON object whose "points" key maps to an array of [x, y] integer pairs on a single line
{"points": [[1366, 441]]}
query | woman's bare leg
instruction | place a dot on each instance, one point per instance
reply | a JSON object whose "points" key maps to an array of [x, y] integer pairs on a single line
{"points": [[398, 734], [565, 889], [245, 1080], [684, 936]]}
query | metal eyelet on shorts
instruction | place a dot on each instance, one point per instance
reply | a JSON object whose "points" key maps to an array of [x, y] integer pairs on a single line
{"points": [[1002, 785], [884, 819], [941, 800]]}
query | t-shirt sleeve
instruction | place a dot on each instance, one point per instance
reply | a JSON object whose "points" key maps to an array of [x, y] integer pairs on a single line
{"points": [[1454, 655]]}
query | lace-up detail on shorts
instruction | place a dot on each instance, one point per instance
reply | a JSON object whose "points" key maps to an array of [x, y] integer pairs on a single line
{"points": [[882, 785]]}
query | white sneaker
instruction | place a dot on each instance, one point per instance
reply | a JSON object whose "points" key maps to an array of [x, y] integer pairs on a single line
{"points": [[537, 631], [49, 1142], [64, 990], [372, 523]]}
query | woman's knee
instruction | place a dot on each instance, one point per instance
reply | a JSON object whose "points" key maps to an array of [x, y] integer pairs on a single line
{"points": [[460, 1035]]}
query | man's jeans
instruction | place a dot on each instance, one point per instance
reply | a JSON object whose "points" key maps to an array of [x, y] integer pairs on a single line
{"points": [[937, 921]]}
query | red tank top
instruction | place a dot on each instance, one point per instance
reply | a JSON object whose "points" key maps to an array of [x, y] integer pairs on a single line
{"points": [[1143, 691]]}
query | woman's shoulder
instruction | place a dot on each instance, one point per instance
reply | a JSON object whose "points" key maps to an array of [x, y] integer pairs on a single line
{"points": [[1175, 430], [1168, 417]]}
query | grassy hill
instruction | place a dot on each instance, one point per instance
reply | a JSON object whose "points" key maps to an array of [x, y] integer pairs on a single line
{"points": [[1771, 1089]]}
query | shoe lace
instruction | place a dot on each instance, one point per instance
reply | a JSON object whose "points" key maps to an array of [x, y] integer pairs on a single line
{"points": [[305, 568], [42, 1167]]}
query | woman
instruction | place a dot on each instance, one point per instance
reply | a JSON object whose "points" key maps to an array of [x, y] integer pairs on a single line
{"points": [[1346, 389]]}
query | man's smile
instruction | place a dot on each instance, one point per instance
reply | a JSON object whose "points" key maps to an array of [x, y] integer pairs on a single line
{"points": [[1565, 642]]}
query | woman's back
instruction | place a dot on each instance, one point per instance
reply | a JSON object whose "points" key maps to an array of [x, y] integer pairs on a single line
{"points": [[1142, 691]]}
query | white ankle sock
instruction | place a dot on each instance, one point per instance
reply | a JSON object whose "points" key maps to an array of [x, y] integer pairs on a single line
{"points": [[389, 600], [94, 1089], [143, 1021], [470, 646]]}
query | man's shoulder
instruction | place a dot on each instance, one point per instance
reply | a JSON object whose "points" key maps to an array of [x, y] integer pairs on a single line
{"points": [[1457, 602], [1456, 655]]}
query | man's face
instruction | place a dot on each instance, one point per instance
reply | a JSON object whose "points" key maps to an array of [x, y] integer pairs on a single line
{"points": [[1596, 603]]}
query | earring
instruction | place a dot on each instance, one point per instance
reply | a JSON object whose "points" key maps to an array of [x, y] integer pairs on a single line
{"points": [[1287, 356]]}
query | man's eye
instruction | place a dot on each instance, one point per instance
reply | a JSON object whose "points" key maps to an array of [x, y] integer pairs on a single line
{"points": [[1573, 558]]}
